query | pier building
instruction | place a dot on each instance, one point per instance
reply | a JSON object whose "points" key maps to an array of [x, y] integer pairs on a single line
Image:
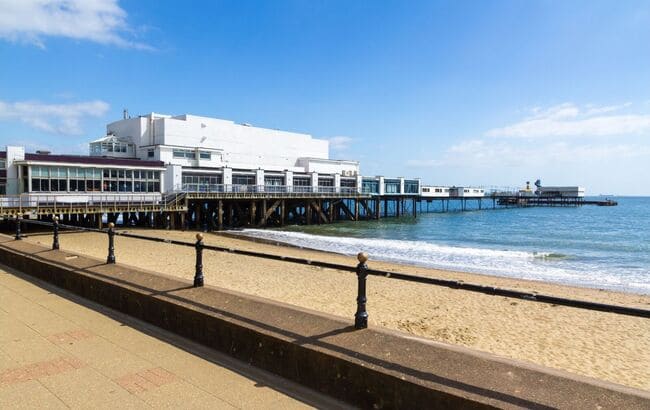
{"points": [[193, 170]]}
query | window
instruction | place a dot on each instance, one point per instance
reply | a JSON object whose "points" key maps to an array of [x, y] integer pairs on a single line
{"points": [[348, 183], [325, 181], [301, 181], [3, 164], [243, 179], [427, 190], [301, 184], [184, 153], [204, 155], [273, 183], [273, 180], [411, 187], [391, 186], [202, 183], [143, 181], [370, 187], [150, 153]]}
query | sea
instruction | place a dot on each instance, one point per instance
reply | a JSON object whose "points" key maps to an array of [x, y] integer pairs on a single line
{"points": [[602, 247]]}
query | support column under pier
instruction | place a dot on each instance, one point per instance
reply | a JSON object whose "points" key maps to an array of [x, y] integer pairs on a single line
{"points": [[220, 215]]}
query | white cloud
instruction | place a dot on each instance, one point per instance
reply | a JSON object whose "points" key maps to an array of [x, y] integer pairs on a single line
{"points": [[101, 21], [53, 118], [569, 120], [498, 154], [340, 144]]}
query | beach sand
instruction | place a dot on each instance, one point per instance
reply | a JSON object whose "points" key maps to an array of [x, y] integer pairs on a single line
{"points": [[606, 346]]}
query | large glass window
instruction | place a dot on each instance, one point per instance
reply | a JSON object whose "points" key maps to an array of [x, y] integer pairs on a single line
{"points": [[391, 186], [205, 155], [184, 153], [325, 181], [370, 186], [273, 183], [301, 184], [411, 187], [202, 183], [243, 179]]}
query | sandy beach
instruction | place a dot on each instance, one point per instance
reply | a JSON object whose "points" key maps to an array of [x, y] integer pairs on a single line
{"points": [[607, 346]]}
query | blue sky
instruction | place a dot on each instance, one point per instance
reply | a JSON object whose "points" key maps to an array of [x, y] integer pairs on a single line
{"points": [[486, 93]]}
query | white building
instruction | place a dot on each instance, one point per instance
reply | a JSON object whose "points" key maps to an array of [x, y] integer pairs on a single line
{"points": [[202, 152], [561, 191], [193, 154], [466, 192], [431, 191]]}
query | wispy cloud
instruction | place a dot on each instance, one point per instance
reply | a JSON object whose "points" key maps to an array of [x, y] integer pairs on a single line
{"points": [[494, 154], [100, 21], [570, 120], [62, 119], [340, 144]]}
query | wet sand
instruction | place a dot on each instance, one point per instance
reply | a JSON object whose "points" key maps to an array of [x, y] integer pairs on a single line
{"points": [[607, 346]]}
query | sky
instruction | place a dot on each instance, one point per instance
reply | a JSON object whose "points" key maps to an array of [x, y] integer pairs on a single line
{"points": [[491, 93]]}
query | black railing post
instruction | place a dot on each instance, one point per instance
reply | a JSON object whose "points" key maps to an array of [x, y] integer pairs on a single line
{"points": [[111, 243], [361, 317], [55, 226], [198, 275], [18, 221]]}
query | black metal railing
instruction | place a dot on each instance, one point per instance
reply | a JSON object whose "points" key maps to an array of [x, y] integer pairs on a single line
{"points": [[361, 270]]}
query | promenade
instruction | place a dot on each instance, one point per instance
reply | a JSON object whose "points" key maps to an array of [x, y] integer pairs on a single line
{"points": [[60, 351]]}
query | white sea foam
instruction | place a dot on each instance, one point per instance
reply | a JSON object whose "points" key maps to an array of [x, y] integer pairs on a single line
{"points": [[544, 266]]}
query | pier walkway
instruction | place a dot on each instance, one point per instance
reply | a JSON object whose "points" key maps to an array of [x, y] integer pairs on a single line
{"points": [[60, 351]]}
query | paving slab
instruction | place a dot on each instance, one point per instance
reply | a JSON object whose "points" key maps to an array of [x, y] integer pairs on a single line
{"points": [[59, 351]]}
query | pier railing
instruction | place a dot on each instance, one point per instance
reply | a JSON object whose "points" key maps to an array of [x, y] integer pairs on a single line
{"points": [[361, 270], [84, 202], [270, 190]]}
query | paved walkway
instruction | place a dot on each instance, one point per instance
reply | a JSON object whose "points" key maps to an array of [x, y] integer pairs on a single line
{"points": [[61, 351]]}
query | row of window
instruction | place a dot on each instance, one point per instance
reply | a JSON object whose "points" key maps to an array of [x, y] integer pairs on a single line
{"points": [[92, 173], [74, 179], [190, 154], [61, 185], [437, 190], [391, 186], [269, 180], [98, 148], [202, 179]]}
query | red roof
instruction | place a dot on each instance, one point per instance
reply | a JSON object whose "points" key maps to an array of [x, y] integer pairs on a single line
{"points": [[84, 159]]}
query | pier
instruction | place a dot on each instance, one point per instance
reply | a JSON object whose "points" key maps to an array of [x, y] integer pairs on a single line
{"points": [[232, 206]]}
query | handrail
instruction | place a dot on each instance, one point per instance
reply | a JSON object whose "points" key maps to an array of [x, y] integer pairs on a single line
{"points": [[262, 189], [454, 284]]}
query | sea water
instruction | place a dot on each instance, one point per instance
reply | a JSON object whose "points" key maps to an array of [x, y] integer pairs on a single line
{"points": [[591, 246]]}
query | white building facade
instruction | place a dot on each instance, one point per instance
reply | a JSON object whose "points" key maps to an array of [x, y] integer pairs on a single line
{"points": [[163, 154], [202, 153]]}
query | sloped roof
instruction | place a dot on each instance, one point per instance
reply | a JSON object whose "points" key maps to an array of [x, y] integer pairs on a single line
{"points": [[113, 138]]}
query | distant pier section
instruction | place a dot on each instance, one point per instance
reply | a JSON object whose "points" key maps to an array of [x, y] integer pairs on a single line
{"points": [[507, 197]]}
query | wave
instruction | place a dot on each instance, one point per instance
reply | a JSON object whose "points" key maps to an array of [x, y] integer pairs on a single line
{"points": [[540, 265]]}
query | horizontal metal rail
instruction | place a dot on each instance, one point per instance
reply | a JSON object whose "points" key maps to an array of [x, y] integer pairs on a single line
{"points": [[454, 284], [87, 203]]}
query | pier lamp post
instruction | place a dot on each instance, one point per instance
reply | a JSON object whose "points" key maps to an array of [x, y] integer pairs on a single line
{"points": [[198, 275], [361, 317], [18, 221], [111, 243], [55, 226]]}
